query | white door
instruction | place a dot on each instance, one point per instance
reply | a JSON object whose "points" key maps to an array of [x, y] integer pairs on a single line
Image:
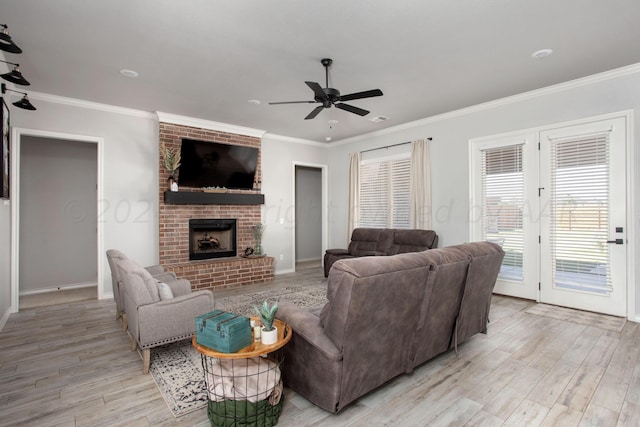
{"points": [[583, 216], [505, 200]]}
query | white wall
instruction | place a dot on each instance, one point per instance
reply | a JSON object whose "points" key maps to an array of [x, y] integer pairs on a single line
{"points": [[278, 158], [128, 159], [450, 146]]}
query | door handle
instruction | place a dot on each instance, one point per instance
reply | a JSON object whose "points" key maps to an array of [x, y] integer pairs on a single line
{"points": [[617, 241]]}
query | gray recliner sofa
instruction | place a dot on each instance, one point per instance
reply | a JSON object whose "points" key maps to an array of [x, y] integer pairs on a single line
{"points": [[384, 317], [381, 242]]}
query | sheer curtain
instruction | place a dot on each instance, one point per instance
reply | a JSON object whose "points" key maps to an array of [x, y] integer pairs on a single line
{"points": [[353, 215], [420, 185]]}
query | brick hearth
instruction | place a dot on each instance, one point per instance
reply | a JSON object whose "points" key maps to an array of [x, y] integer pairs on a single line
{"points": [[174, 222]]}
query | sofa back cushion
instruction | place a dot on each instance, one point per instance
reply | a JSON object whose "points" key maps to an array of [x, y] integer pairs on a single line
{"points": [[369, 241], [441, 303], [371, 316], [413, 241], [486, 259]]}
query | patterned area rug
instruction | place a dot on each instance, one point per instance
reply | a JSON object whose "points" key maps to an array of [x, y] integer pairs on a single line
{"points": [[602, 321], [310, 294], [177, 368]]}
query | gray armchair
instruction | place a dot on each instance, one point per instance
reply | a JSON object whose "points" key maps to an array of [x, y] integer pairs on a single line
{"points": [[157, 271], [157, 315]]}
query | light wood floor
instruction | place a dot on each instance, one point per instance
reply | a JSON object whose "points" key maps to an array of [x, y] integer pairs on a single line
{"points": [[70, 364]]}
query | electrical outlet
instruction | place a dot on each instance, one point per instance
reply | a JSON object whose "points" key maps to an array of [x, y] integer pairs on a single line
{"points": [[281, 257]]}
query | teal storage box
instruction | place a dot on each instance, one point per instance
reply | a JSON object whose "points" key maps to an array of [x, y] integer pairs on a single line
{"points": [[223, 331]]}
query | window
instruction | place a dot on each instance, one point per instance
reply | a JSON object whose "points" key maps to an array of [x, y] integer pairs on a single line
{"points": [[502, 205], [384, 192]]}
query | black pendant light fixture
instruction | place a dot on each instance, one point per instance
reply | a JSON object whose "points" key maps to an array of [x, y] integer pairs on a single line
{"points": [[6, 43], [14, 76], [24, 103]]}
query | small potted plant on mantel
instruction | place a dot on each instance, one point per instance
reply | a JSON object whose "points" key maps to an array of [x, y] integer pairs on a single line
{"points": [[268, 333], [171, 161]]}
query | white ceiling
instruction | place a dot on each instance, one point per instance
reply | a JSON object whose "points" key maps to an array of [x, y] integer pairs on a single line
{"points": [[207, 58]]}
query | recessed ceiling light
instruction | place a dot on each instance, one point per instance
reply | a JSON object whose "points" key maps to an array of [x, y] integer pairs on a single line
{"points": [[254, 102], [333, 122], [542, 53], [129, 73], [328, 139]]}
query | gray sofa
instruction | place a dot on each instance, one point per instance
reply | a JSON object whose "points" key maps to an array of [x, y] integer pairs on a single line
{"points": [[381, 242], [384, 317]]}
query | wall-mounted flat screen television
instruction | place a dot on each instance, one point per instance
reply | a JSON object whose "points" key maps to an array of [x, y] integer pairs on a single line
{"points": [[213, 164]]}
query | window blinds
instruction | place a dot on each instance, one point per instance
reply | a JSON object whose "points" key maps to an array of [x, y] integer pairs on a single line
{"points": [[384, 193], [502, 200], [580, 213]]}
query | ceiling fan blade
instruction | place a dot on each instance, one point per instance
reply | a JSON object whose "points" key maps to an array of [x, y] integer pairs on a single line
{"points": [[293, 102], [360, 95], [352, 109], [317, 90], [314, 113]]}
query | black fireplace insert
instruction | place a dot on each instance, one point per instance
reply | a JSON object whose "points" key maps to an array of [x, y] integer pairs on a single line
{"points": [[212, 238]]}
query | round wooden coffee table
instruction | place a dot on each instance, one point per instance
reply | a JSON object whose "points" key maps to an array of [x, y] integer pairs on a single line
{"points": [[245, 386]]}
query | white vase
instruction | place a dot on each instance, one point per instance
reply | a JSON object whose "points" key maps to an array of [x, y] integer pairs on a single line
{"points": [[269, 337]]}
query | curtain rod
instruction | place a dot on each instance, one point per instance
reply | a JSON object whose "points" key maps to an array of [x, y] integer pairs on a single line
{"points": [[389, 146]]}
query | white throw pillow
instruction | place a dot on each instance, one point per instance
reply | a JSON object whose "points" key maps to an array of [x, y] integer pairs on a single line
{"points": [[164, 291]]}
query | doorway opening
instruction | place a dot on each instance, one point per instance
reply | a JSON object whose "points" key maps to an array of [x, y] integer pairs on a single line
{"points": [[55, 230], [310, 215]]}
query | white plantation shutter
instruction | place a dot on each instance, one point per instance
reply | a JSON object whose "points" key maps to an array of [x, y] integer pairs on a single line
{"points": [[579, 212], [502, 203], [384, 193]]}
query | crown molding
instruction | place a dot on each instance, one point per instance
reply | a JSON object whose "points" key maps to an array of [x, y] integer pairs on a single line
{"points": [[208, 124], [560, 87], [73, 102], [294, 140]]}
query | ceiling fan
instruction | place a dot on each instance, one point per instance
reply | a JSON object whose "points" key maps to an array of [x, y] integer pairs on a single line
{"points": [[329, 97]]}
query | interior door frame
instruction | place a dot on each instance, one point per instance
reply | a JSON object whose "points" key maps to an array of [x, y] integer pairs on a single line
{"points": [[17, 134], [325, 206], [633, 313]]}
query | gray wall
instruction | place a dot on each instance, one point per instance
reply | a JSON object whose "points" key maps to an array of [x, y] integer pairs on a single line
{"points": [[308, 183], [58, 213], [279, 154]]}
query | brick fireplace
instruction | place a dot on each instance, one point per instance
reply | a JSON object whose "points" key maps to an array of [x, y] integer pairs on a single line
{"points": [[177, 209]]}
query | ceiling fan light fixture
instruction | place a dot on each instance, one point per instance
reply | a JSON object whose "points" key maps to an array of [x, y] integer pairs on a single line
{"points": [[6, 43]]}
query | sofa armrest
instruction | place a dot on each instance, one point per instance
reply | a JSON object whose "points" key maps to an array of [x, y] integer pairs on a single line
{"points": [[306, 325], [155, 269], [337, 251], [167, 276]]}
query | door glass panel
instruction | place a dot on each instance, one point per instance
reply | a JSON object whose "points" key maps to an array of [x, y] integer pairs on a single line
{"points": [[579, 201], [502, 206]]}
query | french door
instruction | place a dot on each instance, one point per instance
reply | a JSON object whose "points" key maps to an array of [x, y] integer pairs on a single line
{"points": [[583, 221], [555, 200]]}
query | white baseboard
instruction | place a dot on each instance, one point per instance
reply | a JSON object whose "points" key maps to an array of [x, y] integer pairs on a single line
{"points": [[59, 288]]}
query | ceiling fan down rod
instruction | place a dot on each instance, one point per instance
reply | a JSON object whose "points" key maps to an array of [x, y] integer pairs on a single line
{"points": [[327, 63]]}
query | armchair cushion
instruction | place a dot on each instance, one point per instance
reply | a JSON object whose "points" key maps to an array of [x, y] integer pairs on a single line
{"points": [[164, 291]]}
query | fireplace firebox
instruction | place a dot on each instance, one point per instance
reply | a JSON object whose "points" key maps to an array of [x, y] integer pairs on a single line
{"points": [[212, 238]]}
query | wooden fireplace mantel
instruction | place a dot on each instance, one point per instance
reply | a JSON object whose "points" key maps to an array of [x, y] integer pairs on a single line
{"points": [[202, 198]]}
